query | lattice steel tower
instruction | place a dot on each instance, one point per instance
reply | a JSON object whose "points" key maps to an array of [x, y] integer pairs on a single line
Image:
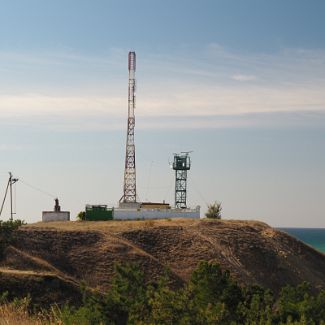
{"points": [[181, 164], [129, 189]]}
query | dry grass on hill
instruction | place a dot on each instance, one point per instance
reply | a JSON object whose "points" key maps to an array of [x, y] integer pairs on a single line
{"points": [[50, 260], [119, 225], [13, 315]]}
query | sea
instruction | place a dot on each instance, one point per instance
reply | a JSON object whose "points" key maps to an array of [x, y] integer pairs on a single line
{"points": [[313, 236]]}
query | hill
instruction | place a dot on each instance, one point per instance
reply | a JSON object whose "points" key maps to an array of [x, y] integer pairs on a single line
{"points": [[51, 260]]}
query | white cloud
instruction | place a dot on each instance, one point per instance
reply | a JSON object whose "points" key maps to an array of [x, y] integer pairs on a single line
{"points": [[242, 77], [20, 106], [207, 101], [71, 89]]}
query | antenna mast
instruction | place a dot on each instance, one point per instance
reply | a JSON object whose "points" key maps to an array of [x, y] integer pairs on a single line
{"points": [[129, 189]]}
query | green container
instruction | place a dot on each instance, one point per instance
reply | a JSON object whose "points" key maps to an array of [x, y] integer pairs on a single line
{"points": [[98, 213]]}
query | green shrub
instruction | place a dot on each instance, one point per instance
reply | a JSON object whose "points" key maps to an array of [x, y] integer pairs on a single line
{"points": [[210, 297], [81, 215], [214, 211], [7, 229]]}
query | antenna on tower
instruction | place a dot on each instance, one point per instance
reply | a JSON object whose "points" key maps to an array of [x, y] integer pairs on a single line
{"points": [[129, 188]]}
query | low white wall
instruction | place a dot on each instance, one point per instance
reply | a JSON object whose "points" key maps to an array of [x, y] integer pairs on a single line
{"points": [[55, 216], [123, 214]]}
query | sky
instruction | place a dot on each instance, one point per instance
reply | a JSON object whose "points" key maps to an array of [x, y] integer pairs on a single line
{"points": [[239, 83]]}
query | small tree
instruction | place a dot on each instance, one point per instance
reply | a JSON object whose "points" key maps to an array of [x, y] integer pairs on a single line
{"points": [[214, 210], [81, 215]]}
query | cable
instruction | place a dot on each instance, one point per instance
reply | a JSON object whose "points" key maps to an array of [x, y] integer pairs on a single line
{"points": [[4, 199], [198, 191], [154, 187], [148, 180], [169, 188], [38, 189]]}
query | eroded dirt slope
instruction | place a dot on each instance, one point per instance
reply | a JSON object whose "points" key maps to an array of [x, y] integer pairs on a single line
{"points": [[65, 254]]}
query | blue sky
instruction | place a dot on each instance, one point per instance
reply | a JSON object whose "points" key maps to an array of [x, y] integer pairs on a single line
{"points": [[241, 83]]}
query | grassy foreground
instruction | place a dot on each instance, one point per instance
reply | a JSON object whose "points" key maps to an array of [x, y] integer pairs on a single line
{"points": [[210, 297]]}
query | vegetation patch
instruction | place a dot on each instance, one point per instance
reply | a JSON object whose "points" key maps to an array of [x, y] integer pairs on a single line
{"points": [[7, 232], [210, 297]]}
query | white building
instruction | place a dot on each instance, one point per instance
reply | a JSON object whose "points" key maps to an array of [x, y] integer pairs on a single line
{"points": [[155, 213], [56, 215]]}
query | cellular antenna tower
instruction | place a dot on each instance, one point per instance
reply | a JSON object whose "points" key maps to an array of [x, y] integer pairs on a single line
{"points": [[129, 189]]}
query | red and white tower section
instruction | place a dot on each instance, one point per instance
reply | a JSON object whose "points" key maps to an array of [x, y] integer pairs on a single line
{"points": [[129, 208], [129, 189]]}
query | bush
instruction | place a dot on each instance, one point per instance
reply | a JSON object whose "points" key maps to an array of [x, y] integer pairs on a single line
{"points": [[214, 211], [210, 297], [81, 215]]}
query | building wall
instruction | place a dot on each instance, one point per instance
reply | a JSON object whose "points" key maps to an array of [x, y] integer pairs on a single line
{"points": [[55, 216], [150, 205], [97, 215], [129, 205], [123, 214]]}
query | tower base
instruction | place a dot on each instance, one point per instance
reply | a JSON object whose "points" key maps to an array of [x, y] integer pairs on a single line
{"points": [[129, 205]]}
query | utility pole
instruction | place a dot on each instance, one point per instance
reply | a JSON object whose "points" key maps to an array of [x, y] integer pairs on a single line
{"points": [[11, 182], [129, 188]]}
